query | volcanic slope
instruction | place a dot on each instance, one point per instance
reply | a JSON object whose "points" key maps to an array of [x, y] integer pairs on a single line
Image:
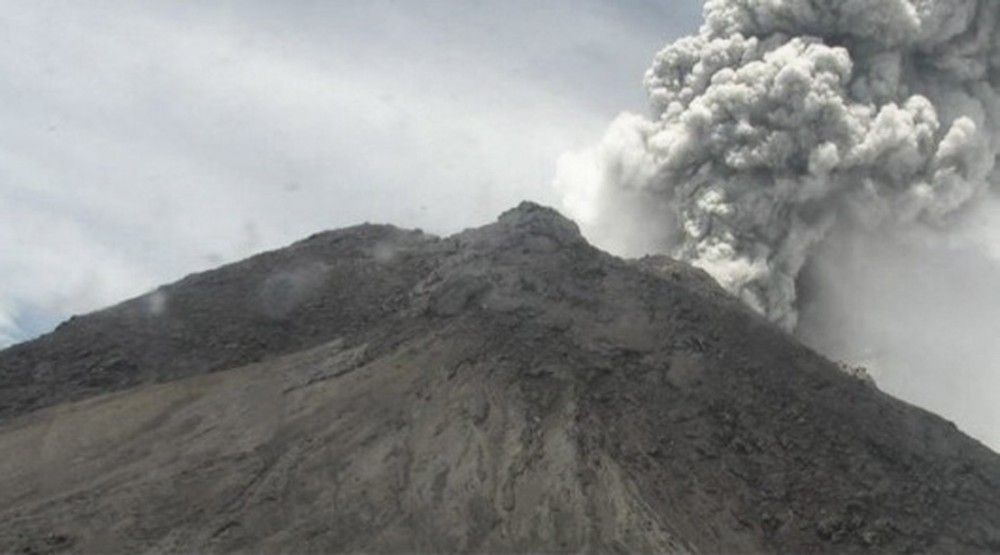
{"points": [[509, 388]]}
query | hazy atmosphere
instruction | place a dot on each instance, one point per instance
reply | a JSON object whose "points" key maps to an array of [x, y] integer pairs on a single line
{"points": [[143, 142]]}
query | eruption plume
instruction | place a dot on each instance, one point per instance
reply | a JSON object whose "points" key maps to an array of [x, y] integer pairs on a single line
{"points": [[785, 123]]}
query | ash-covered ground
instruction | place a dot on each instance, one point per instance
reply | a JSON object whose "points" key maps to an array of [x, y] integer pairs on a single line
{"points": [[509, 388]]}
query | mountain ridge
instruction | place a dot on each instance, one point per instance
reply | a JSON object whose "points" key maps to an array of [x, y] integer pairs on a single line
{"points": [[508, 388]]}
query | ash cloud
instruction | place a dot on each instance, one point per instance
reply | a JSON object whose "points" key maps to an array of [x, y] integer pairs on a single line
{"points": [[834, 165], [783, 126]]}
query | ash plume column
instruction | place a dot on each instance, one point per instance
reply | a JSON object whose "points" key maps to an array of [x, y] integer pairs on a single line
{"points": [[785, 123]]}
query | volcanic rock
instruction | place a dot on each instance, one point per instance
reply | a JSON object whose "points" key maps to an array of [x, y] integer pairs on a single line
{"points": [[509, 388]]}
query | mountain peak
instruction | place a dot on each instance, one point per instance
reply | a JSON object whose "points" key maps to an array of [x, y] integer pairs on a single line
{"points": [[533, 218], [506, 389]]}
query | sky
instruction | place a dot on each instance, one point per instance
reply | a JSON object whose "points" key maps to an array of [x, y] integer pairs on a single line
{"points": [[143, 141]]}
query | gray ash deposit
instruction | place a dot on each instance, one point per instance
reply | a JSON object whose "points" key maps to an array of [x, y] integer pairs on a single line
{"points": [[509, 388]]}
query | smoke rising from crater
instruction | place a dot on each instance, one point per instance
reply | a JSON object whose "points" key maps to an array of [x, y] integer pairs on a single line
{"points": [[784, 125]]}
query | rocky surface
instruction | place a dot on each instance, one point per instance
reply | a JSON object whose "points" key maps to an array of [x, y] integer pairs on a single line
{"points": [[509, 388], [330, 285]]}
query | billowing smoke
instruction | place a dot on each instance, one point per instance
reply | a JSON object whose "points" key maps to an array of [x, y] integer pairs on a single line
{"points": [[833, 163], [785, 125]]}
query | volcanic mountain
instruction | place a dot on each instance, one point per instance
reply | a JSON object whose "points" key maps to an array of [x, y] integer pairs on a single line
{"points": [[506, 389]]}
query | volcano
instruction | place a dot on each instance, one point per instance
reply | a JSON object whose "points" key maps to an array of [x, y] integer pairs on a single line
{"points": [[507, 389]]}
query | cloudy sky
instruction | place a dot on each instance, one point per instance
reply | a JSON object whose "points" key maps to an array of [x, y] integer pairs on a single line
{"points": [[142, 141]]}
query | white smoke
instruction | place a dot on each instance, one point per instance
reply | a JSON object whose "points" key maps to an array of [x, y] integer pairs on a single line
{"points": [[786, 124], [8, 328]]}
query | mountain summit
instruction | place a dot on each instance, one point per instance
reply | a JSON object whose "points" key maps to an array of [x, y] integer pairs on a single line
{"points": [[508, 388]]}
